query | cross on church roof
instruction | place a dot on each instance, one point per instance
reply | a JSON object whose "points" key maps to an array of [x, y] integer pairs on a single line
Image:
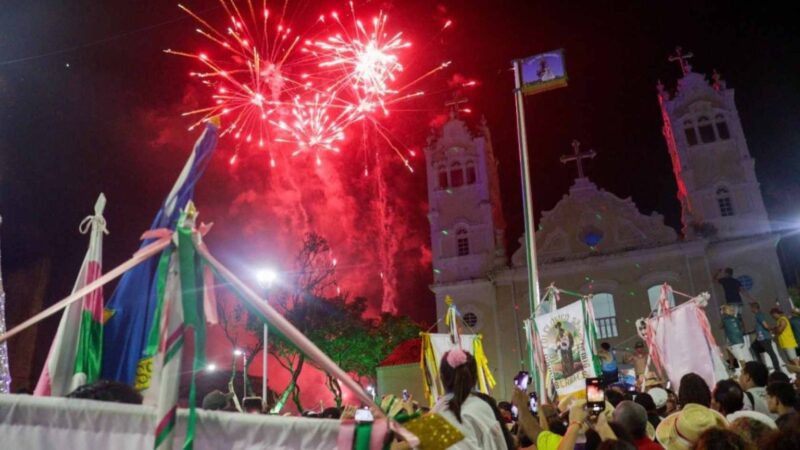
{"points": [[682, 60], [453, 105], [577, 156]]}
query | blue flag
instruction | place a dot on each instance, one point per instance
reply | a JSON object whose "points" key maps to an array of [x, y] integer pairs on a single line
{"points": [[133, 302]]}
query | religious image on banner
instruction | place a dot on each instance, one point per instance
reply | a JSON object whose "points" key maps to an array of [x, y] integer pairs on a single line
{"points": [[544, 72], [564, 343]]}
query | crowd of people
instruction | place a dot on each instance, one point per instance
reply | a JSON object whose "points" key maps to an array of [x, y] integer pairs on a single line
{"points": [[756, 410]]}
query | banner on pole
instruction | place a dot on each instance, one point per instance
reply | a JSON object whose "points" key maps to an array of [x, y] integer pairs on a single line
{"points": [[544, 72], [567, 348]]}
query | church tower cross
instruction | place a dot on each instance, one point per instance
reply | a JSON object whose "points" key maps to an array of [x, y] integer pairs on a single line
{"points": [[682, 60], [577, 156], [454, 105]]}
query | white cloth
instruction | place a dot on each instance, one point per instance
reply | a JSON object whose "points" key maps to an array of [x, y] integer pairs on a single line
{"points": [[760, 398], [50, 422], [478, 424], [682, 330]]}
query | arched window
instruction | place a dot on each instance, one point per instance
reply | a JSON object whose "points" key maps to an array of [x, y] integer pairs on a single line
{"points": [[470, 172], [722, 127], [691, 133], [724, 202], [706, 130], [605, 315], [442, 177], [654, 295], [462, 242], [456, 175]]}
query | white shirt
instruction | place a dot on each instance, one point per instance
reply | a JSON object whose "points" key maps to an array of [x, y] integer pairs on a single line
{"points": [[760, 398], [478, 424]]}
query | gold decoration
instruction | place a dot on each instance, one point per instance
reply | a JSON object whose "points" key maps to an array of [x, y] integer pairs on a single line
{"points": [[144, 373], [434, 432]]}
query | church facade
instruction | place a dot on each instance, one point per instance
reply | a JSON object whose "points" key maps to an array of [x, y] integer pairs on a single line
{"points": [[594, 242]]}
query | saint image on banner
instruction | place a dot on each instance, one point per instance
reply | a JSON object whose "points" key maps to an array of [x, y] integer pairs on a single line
{"points": [[562, 334]]}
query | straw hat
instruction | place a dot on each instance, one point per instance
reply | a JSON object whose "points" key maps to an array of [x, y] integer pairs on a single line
{"points": [[682, 429]]}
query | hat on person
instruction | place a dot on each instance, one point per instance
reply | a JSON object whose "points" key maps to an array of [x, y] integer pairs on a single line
{"points": [[652, 380], [682, 429], [216, 399], [659, 396], [754, 415]]}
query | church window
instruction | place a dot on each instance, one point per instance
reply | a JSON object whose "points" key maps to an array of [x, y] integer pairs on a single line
{"points": [[724, 202], [456, 175], [442, 177], [591, 236], [605, 315], [722, 127], [471, 319], [470, 172], [706, 130], [462, 242], [691, 133], [654, 295], [746, 281]]}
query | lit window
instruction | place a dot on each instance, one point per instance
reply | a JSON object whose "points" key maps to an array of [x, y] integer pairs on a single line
{"points": [[443, 177], [654, 295], [691, 134], [470, 172], [456, 175], [706, 130], [724, 202], [462, 242], [605, 315], [722, 127]]}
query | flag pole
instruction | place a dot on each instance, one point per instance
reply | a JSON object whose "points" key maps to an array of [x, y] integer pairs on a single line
{"points": [[137, 259], [527, 199]]}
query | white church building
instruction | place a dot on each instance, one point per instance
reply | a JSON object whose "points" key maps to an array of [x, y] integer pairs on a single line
{"points": [[595, 242]]}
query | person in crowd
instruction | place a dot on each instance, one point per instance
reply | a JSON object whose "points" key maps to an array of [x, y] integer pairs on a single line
{"points": [[781, 400], [107, 391], [785, 335], [470, 414], [660, 397], [693, 389], [722, 439], [763, 342], [734, 333], [794, 320], [581, 423], [681, 430], [217, 400], [608, 358], [633, 418], [753, 429], [776, 376], [753, 380], [639, 361], [546, 430], [788, 439], [506, 412], [649, 405], [733, 288], [614, 397], [728, 399]]}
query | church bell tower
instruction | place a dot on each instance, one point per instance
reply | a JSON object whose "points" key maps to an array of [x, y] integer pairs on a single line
{"points": [[466, 217], [717, 187]]}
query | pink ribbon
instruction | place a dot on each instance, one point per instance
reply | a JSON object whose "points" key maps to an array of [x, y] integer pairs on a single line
{"points": [[378, 435], [347, 431]]}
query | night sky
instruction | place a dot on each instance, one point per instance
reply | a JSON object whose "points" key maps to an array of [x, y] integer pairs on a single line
{"points": [[89, 103]]}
